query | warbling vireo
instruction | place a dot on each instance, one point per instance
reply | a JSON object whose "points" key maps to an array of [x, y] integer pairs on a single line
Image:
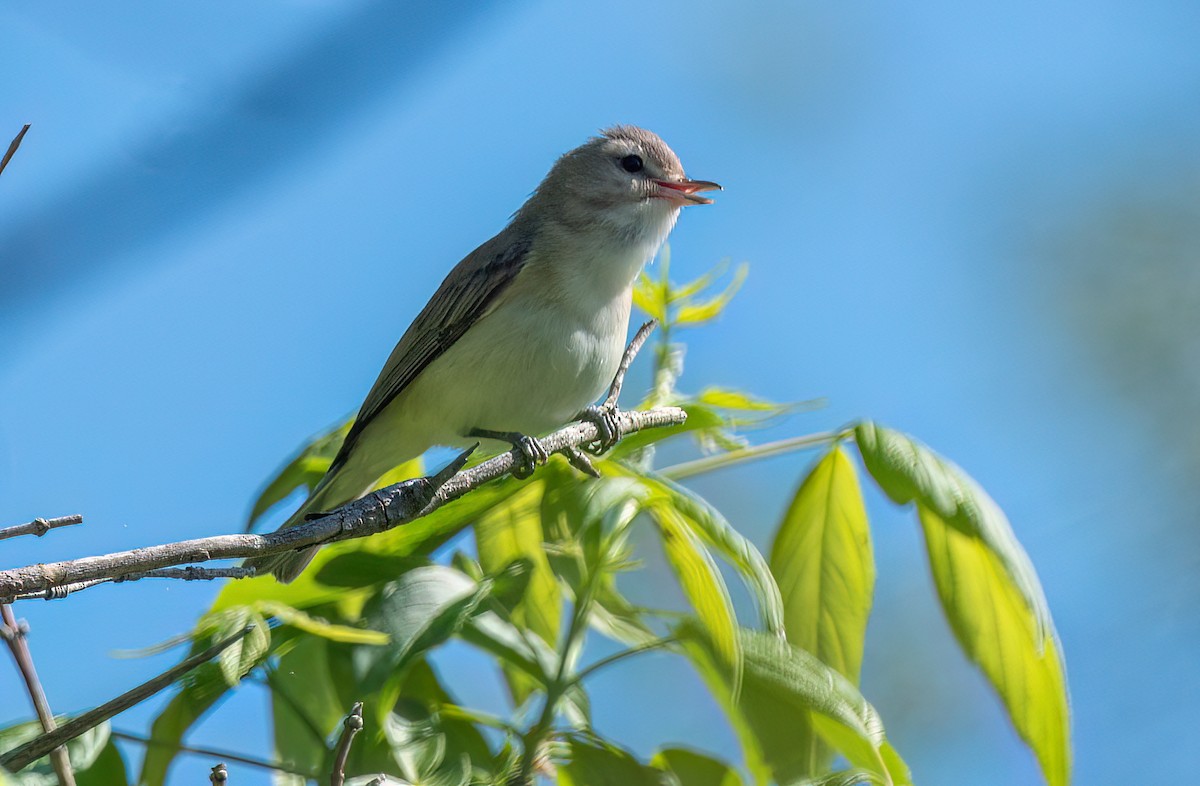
{"points": [[527, 330]]}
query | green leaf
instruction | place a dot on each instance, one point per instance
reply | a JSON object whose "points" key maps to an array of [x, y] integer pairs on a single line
{"points": [[463, 738], [513, 531], [92, 750], [597, 763], [532, 656], [994, 626], [781, 686], [421, 609], [707, 522], [678, 292], [724, 398], [692, 768], [845, 778], [510, 536], [305, 707], [244, 654], [822, 561], [199, 691], [699, 313], [319, 627], [108, 769], [650, 296], [305, 471], [908, 471], [702, 584], [988, 588], [356, 569]]}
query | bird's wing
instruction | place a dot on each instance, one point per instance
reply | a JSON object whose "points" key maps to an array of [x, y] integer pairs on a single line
{"points": [[459, 302]]}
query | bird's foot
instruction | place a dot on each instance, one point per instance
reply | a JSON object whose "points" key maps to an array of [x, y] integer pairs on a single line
{"points": [[608, 426], [532, 453]]}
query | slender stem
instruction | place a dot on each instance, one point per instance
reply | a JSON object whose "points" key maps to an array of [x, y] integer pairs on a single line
{"points": [[211, 753], [12, 148], [560, 684], [631, 351], [649, 646], [39, 746], [350, 727], [40, 526], [721, 460], [15, 636]]}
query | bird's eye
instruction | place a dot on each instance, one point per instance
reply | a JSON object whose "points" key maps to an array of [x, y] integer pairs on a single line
{"points": [[632, 164]]}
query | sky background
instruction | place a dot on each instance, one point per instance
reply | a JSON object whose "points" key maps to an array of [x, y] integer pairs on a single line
{"points": [[978, 223]]}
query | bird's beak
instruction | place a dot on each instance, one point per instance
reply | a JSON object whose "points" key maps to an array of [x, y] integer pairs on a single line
{"points": [[684, 192]]}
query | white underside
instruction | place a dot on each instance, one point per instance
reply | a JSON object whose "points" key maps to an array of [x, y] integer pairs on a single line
{"points": [[530, 365]]}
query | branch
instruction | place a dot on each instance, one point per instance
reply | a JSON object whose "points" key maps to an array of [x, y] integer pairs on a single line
{"points": [[14, 634], [23, 755], [399, 504], [211, 753], [350, 727], [39, 526], [12, 148], [380, 510], [190, 573]]}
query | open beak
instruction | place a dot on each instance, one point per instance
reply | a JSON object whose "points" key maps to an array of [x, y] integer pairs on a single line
{"points": [[685, 192]]}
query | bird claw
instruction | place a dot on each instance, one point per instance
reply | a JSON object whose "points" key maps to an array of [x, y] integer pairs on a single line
{"points": [[608, 427], [533, 455]]}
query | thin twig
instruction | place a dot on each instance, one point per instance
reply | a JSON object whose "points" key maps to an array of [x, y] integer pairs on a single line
{"points": [[649, 646], [39, 526], [23, 755], [631, 351], [14, 635], [12, 148], [219, 774], [211, 753], [720, 460], [381, 510], [190, 573], [350, 727]]}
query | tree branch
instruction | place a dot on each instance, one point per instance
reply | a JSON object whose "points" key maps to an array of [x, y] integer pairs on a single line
{"points": [[381, 510], [351, 726], [24, 755], [14, 634], [211, 753], [39, 526], [12, 148], [190, 573]]}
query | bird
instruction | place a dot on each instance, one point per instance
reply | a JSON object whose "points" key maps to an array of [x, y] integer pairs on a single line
{"points": [[526, 331]]}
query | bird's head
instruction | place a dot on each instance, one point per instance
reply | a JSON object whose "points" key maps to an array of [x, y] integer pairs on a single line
{"points": [[627, 180]]}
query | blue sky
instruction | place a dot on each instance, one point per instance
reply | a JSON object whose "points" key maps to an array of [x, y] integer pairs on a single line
{"points": [[209, 194]]}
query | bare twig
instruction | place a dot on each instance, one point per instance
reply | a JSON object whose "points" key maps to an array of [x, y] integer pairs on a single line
{"points": [[14, 634], [190, 573], [39, 526], [381, 510], [211, 753], [719, 460], [23, 755], [350, 727], [12, 148], [631, 351], [219, 774]]}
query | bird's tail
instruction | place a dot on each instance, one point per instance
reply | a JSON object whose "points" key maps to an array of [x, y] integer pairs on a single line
{"points": [[329, 494]]}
